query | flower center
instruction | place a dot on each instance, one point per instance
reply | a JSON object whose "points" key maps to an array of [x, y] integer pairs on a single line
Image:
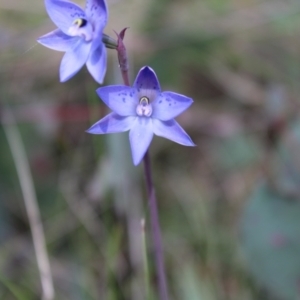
{"points": [[80, 22], [144, 108], [81, 27]]}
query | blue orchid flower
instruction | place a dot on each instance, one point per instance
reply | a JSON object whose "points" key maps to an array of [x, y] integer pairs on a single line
{"points": [[79, 34], [144, 110]]}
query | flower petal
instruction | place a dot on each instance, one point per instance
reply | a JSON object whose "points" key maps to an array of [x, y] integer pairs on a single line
{"points": [[169, 105], [58, 41], [173, 131], [112, 123], [73, 60], [140, 137], [146, 79], [119, 98], [96, 63], [63, 13], [96, 11]]}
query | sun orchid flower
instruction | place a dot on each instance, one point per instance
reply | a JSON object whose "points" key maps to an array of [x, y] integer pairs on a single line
{"points": [[79, 34], [144, 110]]}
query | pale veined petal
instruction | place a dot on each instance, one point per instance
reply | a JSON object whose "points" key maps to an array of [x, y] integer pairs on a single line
{"points": [[171, 130], [96, 63], [58, 41], [169, 105], [119, 98], [73, 60], [140, 137], [97, 13], [112, 123]]}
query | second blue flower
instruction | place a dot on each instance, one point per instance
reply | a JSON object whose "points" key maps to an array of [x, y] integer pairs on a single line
{"points": [[79, 34]]}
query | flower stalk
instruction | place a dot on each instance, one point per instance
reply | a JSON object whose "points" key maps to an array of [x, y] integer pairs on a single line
{"points": [[155, 227], [109, 42], [156, 232], [122, 57], [145, 259]]}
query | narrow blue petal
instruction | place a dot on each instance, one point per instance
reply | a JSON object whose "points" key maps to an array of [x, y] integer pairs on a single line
{"points": [[119, 98], [73, 60], [171, 130], [112, 123], [58, 41], [146, 79], [96, 63], [169, 105], [96, 11], [63, 13], [140, 137]]}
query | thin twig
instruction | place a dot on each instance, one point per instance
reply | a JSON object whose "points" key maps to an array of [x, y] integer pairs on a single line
{"points": [[22, 166]]}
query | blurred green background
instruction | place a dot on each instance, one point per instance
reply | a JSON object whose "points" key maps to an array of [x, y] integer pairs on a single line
{"points": [[229, 208]]}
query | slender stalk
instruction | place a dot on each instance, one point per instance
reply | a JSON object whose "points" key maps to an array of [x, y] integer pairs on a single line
{"points": [[33, 213], [146, 267], [122, 56], [125, 77], [156, 233]]}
